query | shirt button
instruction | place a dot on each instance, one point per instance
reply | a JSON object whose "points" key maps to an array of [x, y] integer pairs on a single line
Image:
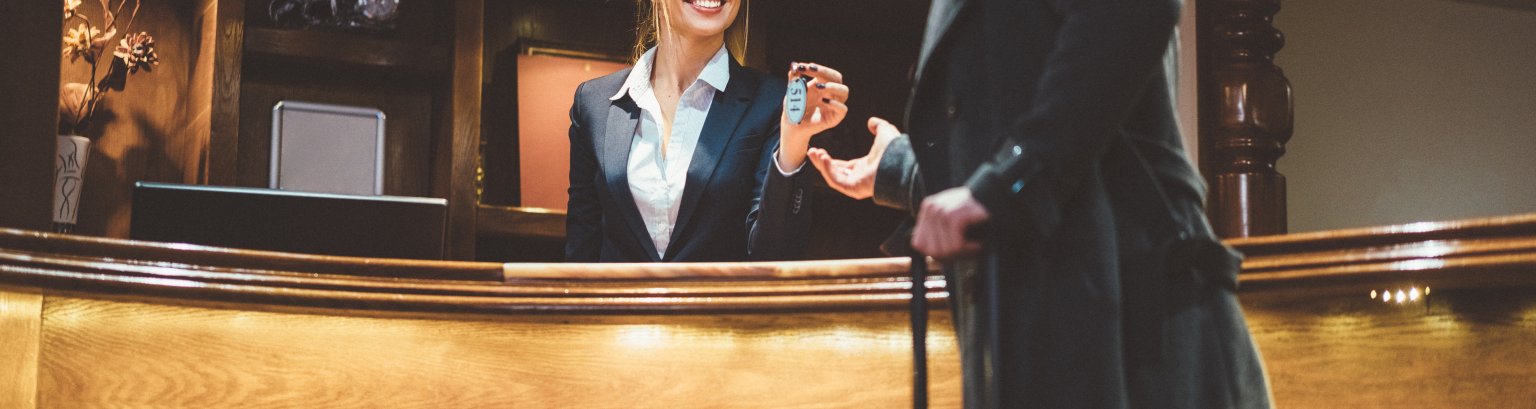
{"points": [[952, 110]]}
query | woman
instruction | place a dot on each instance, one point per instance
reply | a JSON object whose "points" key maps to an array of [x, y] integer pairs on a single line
{"points": [[680, 159]]}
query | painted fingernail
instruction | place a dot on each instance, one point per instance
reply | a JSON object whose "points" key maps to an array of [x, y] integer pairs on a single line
{"points": [[813, 68], [821, 86], [826, 100], [800, 68]]}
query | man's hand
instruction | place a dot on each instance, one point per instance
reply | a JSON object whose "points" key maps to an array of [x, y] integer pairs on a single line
{"points": [[856, 177], [825, 106], [942, 221]]}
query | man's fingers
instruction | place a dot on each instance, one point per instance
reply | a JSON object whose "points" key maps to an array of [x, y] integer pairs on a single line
{"points": [[821, 161], [878, 126], [875, 123]]}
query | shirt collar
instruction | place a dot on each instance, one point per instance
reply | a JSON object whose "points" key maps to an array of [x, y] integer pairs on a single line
{"points": [[716, 74]]}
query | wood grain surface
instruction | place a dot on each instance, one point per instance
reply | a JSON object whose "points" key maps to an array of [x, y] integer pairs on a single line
{"points": [[20, 323], [100, 353], [133, 324], [1469, 348]]}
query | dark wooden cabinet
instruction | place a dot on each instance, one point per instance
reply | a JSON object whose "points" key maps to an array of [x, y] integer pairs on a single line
{"points": [[424, 76]]}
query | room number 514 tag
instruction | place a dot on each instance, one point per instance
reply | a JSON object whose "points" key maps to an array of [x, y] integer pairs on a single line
{"points": [[794, 100]]}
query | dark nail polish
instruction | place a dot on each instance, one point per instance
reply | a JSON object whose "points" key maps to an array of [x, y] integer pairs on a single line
{"points": [[813, 68], [821, 86], [799, 68], [826, 100]]}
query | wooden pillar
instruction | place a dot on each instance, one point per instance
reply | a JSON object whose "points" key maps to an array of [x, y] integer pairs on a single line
{"points": [[1245, 116], [458, 133], [29, 95], [227, 34]]}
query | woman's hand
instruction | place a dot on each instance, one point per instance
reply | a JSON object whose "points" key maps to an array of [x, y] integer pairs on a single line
{"points": [[825, 106], [856, 177]]}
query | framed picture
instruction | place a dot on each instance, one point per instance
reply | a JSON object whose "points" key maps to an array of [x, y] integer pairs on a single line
{"points": [[526, 150], [327, 148]]}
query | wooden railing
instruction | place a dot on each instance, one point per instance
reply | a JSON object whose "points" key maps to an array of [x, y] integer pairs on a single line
{"points": [[87, 322]]}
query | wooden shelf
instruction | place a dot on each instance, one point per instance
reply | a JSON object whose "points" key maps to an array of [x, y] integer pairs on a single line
{"points": [[345, 50]]}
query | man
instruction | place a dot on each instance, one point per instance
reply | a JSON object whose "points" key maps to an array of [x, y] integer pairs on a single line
{"points": [[1049, 125]]}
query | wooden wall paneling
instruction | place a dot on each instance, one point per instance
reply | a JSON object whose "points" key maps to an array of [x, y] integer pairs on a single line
{"points": [[29, 77], [20, 329], [223, 157], [1245, 116], [457, 132], [150, 130]]}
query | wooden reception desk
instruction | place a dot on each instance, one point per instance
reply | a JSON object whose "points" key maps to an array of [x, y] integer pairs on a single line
{"points": [[87, 322]]}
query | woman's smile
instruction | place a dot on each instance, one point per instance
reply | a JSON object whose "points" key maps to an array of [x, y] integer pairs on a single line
{"points": [[706, 6]]}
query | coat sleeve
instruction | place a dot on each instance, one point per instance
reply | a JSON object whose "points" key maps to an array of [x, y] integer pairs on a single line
{"points": [[584, 213], [780, 216], [897, 181], [1104, 54]]}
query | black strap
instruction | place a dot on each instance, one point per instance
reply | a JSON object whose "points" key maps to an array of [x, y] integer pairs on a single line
{"points": [[1190, 255]]}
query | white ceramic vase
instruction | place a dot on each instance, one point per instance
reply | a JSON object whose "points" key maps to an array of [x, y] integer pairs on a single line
{"points": [[68, 179]]}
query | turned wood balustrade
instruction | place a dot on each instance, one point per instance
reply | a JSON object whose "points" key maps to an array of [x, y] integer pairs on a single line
{"points": [[1245, 116]]}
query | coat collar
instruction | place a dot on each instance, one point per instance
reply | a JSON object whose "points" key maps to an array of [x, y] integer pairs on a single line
{"points": [[716, 74], [725, 113], [941, 16], [613, 157]]}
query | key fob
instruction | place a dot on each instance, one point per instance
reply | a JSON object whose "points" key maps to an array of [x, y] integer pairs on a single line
{"points": [[794, 100]]}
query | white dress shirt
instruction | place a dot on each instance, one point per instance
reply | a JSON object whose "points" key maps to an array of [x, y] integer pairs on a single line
{"points": [[657, 181]]}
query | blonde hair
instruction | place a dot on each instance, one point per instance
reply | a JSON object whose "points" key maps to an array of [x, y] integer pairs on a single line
{"points": [[648, 22]]}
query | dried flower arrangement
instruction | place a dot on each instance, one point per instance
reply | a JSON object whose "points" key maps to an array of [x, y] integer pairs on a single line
{"points": [[134, 52]]}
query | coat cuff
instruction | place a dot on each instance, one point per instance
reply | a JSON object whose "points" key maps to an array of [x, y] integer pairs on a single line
{"points": [[1017, 193], [897, 183]]}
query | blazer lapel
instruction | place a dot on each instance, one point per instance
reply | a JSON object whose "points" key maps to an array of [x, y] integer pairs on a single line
{"points": [[939, 21], [719, 129], [618, 135]]}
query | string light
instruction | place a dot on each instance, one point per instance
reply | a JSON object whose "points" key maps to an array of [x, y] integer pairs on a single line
{"points": [[1411, 294]]}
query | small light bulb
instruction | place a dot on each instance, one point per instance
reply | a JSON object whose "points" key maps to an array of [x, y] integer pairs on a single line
{"points": [[1373, 294], [1386, 296], [1426, 290], [1413, 294], [1401, 297]]}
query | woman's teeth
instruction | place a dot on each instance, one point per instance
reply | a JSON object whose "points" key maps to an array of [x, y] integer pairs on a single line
{"points": [[708, 4]]}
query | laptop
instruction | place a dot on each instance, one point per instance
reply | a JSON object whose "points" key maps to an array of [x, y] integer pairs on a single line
{"points": [[289, 221]]}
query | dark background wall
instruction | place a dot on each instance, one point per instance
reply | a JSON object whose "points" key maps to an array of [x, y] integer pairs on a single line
{"points": [[1409, 110]]}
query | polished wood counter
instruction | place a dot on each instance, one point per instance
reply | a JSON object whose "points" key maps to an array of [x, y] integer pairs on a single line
{"points": [[1457, 331], [89, 322]]}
